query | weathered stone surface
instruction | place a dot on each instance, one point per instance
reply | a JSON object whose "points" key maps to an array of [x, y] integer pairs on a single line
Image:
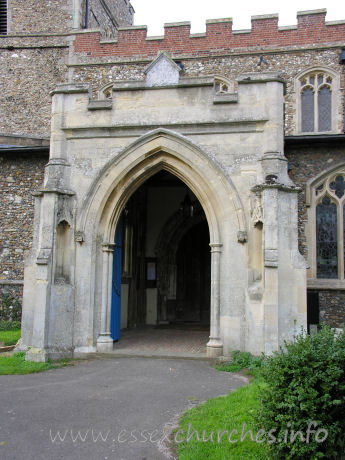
{"points": [[332, 308], [203, 146], [21, 174], [46, 46], [109, 16]]}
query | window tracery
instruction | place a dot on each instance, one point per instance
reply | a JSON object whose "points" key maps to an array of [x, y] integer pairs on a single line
{"points": [[106, 92], [329, 221], [223, 86], [316, 101]]}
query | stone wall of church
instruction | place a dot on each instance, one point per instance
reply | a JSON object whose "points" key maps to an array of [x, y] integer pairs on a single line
{"points": [[30, 67], [332, 308], [34, 65], [21, 174], [287, 62], [33, 16], [305, 163], [36, 68], [29, 70], [108, 16], [12, 290]]}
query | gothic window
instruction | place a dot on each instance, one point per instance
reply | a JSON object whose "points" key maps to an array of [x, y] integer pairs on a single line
{"points": [[329, 218], [223, 86], [63, 253], [326, 239], [106, 92], [3, 17], [316, 101]]}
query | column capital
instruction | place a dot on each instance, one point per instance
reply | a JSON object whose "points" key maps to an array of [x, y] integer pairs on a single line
{"points": [[216, 247], [108, 247]]}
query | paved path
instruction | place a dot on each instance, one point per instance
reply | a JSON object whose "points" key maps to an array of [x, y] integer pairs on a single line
{"points": [[119, 397], [164, 340]]}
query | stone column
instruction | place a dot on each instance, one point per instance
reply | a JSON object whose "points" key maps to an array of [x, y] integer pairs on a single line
{"points": [[215, 344], [284, 299], [39, 287], [77, 11], [270, 200], [104, 341]]}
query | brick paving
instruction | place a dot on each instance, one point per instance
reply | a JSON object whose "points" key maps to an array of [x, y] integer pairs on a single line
{"points": [[164, 340]]}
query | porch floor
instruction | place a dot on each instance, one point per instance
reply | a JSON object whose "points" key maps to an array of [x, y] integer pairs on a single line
{"points": [[187, 341]]}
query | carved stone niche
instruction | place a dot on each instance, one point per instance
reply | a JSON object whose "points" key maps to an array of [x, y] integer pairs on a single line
{"points": [[79, 236], [64, 209], [63, 258], [257, 210], [64, 239]]}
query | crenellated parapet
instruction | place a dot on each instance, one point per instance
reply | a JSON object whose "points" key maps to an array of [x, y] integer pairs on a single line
{"points": [[131, 42]]}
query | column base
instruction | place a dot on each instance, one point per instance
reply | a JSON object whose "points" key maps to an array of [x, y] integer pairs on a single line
{"points": [[214, 348], [21, 347], [37, 355], [105, 344], [79, 351]]}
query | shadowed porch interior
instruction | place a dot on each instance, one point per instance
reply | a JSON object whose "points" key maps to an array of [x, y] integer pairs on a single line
{"points": [[163, 252]]}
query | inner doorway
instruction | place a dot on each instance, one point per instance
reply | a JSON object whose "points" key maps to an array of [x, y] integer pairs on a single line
{"points": [[193, 262], [164, 259]]}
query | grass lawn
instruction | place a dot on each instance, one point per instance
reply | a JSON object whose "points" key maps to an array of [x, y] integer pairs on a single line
{"points": [[10, 337], [16, 364], [225, 413]]}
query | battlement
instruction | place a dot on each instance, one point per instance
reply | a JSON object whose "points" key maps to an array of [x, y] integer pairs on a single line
{"points": [[131, 42]]}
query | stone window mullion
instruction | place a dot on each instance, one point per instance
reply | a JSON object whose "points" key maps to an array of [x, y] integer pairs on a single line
{"points": [[316, 108], [317, 102]]}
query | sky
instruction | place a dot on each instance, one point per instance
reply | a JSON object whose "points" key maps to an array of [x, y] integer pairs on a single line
{"points": [[154, 13]]}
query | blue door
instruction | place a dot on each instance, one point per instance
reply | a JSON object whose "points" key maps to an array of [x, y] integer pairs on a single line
{"points": [[116, 294]]}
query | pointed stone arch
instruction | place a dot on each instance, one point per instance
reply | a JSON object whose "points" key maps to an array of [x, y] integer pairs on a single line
{"points": [[119, 179], [157, 150]]}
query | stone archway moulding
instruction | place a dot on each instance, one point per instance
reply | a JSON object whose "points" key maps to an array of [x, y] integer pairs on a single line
{"points": [[123, 174], [319, 178], [141, 159]]}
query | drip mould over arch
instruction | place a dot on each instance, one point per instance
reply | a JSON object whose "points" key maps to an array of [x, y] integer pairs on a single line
{"points": [[157, 150]]}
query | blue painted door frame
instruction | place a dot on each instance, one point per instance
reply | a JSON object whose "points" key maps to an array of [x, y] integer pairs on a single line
{"points": [[116, 284]]}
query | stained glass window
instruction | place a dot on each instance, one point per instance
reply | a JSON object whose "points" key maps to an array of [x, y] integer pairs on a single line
{"points": [[326, 239], [338, 186]]}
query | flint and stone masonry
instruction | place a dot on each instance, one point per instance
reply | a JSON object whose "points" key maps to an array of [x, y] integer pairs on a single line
{"points": [[60, 53], [256, 303]]}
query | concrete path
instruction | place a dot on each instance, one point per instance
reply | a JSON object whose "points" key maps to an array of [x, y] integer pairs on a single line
{"points": [[128, 400]]}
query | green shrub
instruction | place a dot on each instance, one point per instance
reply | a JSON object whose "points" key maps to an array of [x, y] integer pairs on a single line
{"points": [[10, 309], [306, 383], [243, 360], [9, 325]]}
